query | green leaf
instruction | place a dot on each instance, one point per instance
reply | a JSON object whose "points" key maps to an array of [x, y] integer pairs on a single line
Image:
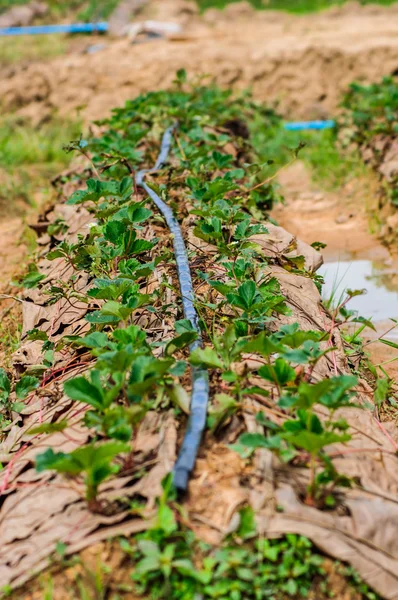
{"points": [[389, 343], [166, 519], [146, 371], [138, 214], [109, 289], [97, 317], [263, 345], [141, 246], [179, 342], [32, 278], [148, 564], [179, 396], [58, 461], [331, 393], [279, 373], [102, 452], [291, 587], [96, 190], [222, 407], [116, 309], [94, 459], [294, 337], [148, 548], [96, 339], [49, 427], [183, 326], [5, 386], [181, 77], [113, 231], [247, 293], [254, 440], [79, 388], [206, 357], [381, 390], [244, 573], [36, 334], [25, 385], [313, 442], [247, 525]]}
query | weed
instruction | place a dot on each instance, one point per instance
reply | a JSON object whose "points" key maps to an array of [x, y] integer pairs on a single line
{"points": [[170, 562], [30, 156], [10, 334], [87, 584], [320, 151], [24, 144], [372, 109], [370, 123], [14, 50]]}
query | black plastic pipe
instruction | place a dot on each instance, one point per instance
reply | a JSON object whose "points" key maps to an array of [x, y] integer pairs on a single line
{"points": [[200, 377]]}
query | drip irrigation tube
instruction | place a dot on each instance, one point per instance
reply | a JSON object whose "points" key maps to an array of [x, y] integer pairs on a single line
{"points": [[200, 378], [101, 27]]}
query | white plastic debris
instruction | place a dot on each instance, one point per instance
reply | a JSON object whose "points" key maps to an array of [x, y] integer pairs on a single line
{"points": [[156, 28]]}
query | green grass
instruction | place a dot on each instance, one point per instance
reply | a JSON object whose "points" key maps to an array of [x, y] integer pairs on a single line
{"points": [[320, 153], [19, 49], [86, 11], [294, 6], [29, 157], [22, 144]]}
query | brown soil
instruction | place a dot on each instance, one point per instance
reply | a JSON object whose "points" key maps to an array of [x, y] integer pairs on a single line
{"points": [[339, 219], [304, 63], [12, 249]]}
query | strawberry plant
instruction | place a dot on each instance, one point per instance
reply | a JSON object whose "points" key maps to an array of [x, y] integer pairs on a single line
{"points": [[12, 396], [216, 184], [95, 461]]}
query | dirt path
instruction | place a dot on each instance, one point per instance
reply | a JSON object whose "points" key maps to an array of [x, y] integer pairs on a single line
{"points": [[337, 218], [304, 63]]}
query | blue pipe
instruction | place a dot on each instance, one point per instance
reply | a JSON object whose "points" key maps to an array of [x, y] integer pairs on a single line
{"points": [[101, 27], [302, 125], [200, 379]]}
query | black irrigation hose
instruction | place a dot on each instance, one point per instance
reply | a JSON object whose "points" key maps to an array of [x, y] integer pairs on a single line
{"points": [[200, 378]]}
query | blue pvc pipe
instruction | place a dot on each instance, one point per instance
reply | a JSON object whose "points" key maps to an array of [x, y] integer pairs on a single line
{"points": [[101, 27], [301, 125]]}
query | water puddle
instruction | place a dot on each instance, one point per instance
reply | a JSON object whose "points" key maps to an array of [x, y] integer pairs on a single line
{"points": [[379, 303]]}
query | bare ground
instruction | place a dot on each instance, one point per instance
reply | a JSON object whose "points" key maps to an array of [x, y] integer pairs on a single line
{"points": [[303, 63]]}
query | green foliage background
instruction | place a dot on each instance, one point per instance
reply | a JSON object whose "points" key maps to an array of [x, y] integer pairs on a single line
{"points": [[294, 6]]}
